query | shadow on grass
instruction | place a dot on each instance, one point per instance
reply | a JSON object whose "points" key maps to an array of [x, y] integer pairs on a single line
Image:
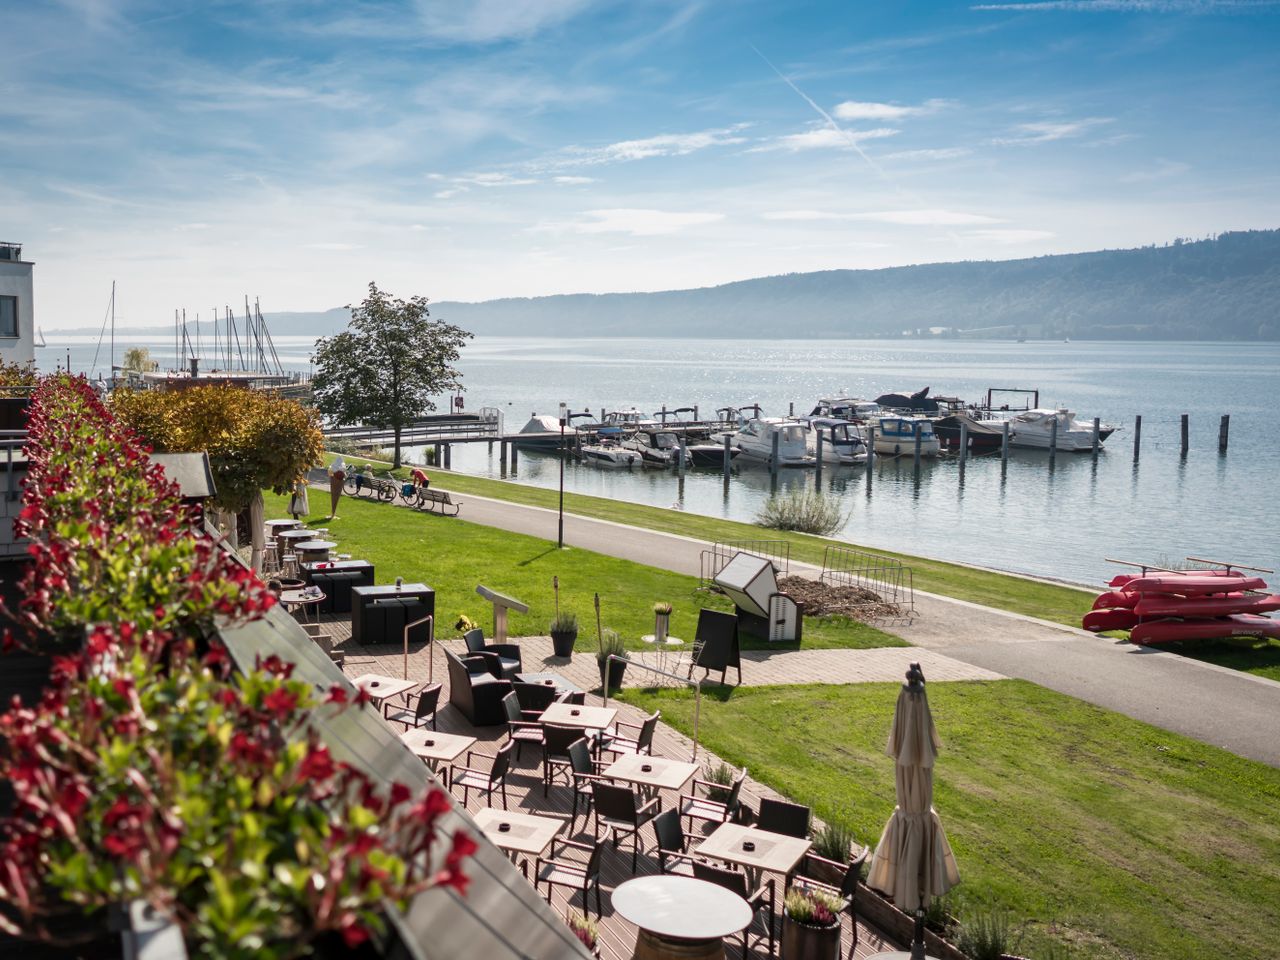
{"points": [[1249, 654], [538, 556]]}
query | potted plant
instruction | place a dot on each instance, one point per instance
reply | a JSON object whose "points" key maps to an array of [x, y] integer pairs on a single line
{"points": [[661, 621], [564, 633], [611, 644], [811, 925], [832, 842], [585, 929], [463, 624]]}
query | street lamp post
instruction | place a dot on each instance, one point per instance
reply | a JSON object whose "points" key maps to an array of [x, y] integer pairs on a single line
{"points": [[564, 413]]}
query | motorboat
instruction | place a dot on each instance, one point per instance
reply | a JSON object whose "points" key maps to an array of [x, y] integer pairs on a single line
{"points": [[918, 402], [609, 453], [842, 442], [852, 409], [896, 436], [661, 448], [754, 440], [542, 432], [1035, 429], [619, 423], [982, 436]]}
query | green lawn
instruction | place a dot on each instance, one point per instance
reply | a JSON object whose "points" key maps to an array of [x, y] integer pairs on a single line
{"points": [[1256, 655], [1062, 604], [1111, 836], [453, 556]]}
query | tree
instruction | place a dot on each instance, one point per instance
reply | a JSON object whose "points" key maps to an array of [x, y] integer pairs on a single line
{"points": [[138, 360], [387, 367]]}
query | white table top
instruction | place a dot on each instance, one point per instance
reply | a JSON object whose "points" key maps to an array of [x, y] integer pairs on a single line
{"points": [[315, 545], [681, 907], [775, 852], [526, 833], [432, 745], [589, 718], [669, 642], [283, 524], [298, 596], [380, 687], [666, 774]]}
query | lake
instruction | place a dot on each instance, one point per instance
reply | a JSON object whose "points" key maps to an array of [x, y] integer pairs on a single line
{"points": [[1058, 521]]}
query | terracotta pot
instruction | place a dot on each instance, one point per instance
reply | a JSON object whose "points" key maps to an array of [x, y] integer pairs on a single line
{"points": [[806, 941], [562, 642]]}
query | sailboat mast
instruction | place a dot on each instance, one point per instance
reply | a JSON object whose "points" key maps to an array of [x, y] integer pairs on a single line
{"points": [[113, 333]]}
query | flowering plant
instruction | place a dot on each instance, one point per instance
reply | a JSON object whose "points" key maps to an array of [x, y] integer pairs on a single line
{"points": [[147, 769], [813, 906], [584, 928]]}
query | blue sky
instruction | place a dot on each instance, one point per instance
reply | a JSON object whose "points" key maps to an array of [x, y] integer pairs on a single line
{"points": [[296, 149]]}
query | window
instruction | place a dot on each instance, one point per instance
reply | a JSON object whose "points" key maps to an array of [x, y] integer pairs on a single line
{"points": [[8, 316]]}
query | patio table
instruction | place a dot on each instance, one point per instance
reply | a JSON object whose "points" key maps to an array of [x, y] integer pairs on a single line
{"points": [[588, 718], [381, 688], [300, 600], [667, 645], [680, 915], [561, 684], [436, 748], [662, 774], [276, 526], [524, 833], [311, 551], [772, 852]]}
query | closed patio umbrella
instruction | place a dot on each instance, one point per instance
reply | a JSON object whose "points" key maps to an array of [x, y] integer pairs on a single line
{"points": [[913, 862]]}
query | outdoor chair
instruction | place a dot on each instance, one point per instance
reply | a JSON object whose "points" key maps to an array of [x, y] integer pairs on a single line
{"points": [[576, 698], [495, 778], [848, 889], [507, 654], [555, 751], [673, 844], [520, 728], [715, 811], [760, 899], [780, 816], [423, 712], [474, 692], [568, 873], [339, 659], [534, 697], [619, 812], [585, 772], [613, 740]]}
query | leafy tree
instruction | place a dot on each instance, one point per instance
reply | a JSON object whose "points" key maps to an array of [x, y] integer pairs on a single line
{"points": [[138, 360], [387, 367]]}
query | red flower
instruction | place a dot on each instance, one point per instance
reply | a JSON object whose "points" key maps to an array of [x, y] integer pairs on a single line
{"points": [[280, 701], [399, 793], [317, 765], [353, 934]]}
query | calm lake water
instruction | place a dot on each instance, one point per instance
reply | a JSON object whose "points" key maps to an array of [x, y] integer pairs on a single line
{"points": [[1060, 521]]}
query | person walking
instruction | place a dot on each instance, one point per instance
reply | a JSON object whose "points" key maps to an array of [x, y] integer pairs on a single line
{"points": [[337, 476], [298, 505]]}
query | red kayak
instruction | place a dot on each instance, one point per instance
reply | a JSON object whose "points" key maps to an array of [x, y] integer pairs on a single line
{"points": [[1155, 605], [1096, 621], [1193, 585], [1116, 598], [1167, 631], [1120, 580]]}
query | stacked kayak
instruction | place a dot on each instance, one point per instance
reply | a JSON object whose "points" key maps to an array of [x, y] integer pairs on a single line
{"points": [[1166, 606]]}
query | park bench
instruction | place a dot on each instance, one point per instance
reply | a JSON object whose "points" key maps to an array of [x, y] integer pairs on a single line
{"points": [[438, 498]]}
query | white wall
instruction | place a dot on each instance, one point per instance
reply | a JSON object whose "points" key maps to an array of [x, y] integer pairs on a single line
{"points": [[16, 281]]}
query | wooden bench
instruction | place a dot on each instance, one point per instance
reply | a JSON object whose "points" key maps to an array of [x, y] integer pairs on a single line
{"points": [[438, 498]]}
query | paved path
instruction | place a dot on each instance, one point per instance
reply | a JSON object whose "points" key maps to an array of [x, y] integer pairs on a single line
{"points": [[1226, 708]]}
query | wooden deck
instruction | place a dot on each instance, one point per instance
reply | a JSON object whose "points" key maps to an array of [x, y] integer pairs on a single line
{"points": [[524, 785]]}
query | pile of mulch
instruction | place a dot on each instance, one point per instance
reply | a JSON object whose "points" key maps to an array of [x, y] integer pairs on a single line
{"points": [[821, 599]]}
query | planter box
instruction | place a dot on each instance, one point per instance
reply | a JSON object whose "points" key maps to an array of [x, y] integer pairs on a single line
{"points": [[900, 927]]}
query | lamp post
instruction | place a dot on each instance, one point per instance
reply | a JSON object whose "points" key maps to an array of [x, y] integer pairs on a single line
{"points": [[564, 413]]}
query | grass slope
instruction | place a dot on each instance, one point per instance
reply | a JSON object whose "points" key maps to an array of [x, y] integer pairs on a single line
{"points": [[453, 556], [1061, 604], [1106, 834]]}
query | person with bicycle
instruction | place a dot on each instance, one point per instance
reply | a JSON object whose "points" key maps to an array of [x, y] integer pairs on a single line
{"points": [[420, 478]]}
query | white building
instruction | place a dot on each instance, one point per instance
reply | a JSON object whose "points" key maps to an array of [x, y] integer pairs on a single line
{"points": [[17, 315]]}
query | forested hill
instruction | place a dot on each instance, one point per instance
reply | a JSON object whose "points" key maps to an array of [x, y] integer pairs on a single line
{"points": [[1227, 288]]}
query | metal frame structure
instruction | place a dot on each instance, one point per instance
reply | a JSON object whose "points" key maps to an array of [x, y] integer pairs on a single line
{"points": [[714, 560], [891, 579]]}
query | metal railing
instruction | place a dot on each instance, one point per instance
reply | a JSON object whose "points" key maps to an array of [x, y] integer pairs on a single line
{"points": [[696, 684], [890, 579], [712, 561]]}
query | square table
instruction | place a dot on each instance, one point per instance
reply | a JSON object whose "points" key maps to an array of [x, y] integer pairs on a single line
{"points": [[588, 718], [561, 684], [379, 613], [774, 852], [525, 833], [663, 774], [435, 747], [380, 688]]}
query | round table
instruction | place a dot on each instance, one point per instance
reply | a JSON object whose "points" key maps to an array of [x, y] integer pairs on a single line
{"points": [[313, 551], [680, 911], [300, 599], [670, 643], [276, 526]]}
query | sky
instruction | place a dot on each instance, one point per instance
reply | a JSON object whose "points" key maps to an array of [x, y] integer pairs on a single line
{"points": [[295, 150]]}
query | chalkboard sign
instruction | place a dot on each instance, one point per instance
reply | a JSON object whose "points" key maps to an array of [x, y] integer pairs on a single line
{"points": [[717, 644]]}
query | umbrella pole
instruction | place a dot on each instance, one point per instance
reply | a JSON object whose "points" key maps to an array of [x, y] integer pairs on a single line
{"points": [[917, 942]]}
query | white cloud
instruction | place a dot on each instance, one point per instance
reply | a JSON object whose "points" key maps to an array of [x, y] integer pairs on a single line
{"points": [[487, 21], [418, 227], [493, 180], [940, 153], [447, 194], [573, 181], [824, 138], [861, 110], [192, 226], [1130, 6], [662, 145], [638, 223], [1163, 170], [913, 218], [1046, 131], [1009, 236], [331, 246]]}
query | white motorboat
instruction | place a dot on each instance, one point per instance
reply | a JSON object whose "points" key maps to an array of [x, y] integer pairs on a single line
{"points": [[542, 432], [659, 448], [609, 453], [842, 441], [624, 422], [1035, 429], [846, 408], [896, 437], [754, 440]]}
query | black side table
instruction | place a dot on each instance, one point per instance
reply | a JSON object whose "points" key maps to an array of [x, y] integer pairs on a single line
{"points": [[337, 578], [379, 614]]}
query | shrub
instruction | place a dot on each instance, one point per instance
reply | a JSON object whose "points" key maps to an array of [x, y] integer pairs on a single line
{"points": [[720, 774], [464, 623], [611, 643], [833, 841], [813, 906], [802, 511], [662, 608], [985, 935], [564, 622], [18, 374]]}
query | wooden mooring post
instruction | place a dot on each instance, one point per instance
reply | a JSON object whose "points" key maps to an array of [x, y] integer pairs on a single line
{"points": [[1004, 442], [1224, 430], [728, 457], [964, 441], [915, 460], [502, 456], [684, 453], [773, 457], [1097, 435], [514, 451], [818, 462], [1053, 441], [1137, 437], [1186, 433]]}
